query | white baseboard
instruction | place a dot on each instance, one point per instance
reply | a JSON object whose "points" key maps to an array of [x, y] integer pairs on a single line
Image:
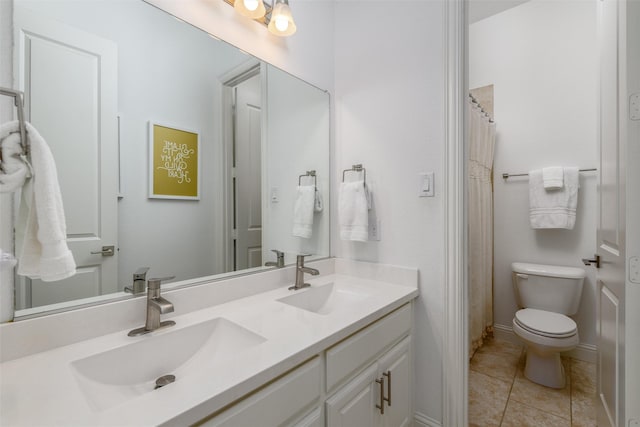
{"points": [[584, 352], [421, 420]]}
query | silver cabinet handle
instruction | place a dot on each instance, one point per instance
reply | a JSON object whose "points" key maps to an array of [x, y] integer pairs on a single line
{"points": [[381, 405], [388, 398], [106, 251]]}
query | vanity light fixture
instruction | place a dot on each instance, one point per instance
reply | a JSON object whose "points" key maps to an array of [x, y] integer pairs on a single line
{"points": [[277, 19], [281, 22], [253, 9]]}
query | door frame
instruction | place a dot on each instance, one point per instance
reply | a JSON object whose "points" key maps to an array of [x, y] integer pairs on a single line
{"points": [[455, 366], [229, 81]]}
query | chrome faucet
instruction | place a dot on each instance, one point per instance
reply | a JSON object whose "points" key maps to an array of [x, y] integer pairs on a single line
{"points": [[139, 279], [156, 305], [300, 270], [280, 260]]}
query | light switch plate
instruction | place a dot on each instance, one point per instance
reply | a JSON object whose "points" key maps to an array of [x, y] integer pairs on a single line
{"points": [[426, 184], [275, 196]]}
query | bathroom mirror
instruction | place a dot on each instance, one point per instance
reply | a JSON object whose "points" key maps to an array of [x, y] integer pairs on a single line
{"points": [[101, 78]]}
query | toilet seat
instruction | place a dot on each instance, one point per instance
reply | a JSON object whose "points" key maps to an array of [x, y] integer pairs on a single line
{"points": [[545, 323]]}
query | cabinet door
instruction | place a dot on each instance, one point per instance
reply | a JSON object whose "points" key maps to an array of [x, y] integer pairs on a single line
{"points": [[354, 405], [394, 368]]}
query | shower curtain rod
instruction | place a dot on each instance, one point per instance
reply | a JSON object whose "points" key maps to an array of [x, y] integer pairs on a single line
{"points": [[509, 175]]}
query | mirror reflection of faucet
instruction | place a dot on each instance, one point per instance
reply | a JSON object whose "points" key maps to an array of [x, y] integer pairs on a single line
{"points": [[279, 263], [156, 305], [300, 270], [139, 279]]}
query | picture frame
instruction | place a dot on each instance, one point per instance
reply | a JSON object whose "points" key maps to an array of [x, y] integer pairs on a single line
{"points": [[174, 162]]}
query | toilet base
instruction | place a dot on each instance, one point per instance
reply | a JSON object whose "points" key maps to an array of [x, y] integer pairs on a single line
{"points": [[545, 369]]}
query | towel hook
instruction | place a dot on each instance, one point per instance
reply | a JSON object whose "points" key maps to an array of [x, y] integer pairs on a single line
{"points": [[356, 168], [17, 96], [309, 173]]}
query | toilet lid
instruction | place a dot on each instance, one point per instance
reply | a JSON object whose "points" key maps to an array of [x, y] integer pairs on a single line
{"points": [[546, 323]]}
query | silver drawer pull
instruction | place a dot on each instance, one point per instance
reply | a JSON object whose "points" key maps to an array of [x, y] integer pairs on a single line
{"points": [[382, 399], [388, 398]]}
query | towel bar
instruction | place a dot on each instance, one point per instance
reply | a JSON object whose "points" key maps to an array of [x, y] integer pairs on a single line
{"points": [[509, 175]]}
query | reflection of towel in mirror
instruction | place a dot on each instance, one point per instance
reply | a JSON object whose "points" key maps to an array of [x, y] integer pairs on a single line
{"points": [[44, 253], [353, 211], [555, 208], [14, 169], [303, 211]]}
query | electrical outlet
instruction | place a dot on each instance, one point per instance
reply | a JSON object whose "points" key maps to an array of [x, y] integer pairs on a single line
{"points": [[634, 270], [634, 106], [374, 230], [634, 422]]}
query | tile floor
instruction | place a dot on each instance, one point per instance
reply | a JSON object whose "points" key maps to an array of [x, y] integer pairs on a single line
{"points": [[500, 395]]}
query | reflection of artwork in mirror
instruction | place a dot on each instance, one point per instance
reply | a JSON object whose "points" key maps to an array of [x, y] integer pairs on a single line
{"points": [[174, 158]]}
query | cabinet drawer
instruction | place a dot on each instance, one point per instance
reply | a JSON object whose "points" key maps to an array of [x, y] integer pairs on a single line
{"points": [[345, 358], [277, 403]]}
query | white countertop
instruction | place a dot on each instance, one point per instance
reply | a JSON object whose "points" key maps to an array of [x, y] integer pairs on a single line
{"points": [[44, 389]]}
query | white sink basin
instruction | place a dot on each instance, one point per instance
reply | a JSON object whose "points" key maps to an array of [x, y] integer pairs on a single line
{"points": [[115, 376], [325, 299]]}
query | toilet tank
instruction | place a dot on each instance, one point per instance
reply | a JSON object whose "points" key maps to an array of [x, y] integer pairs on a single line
{"points": [[548, 287]]}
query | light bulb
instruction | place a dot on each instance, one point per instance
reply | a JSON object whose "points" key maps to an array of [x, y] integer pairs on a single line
{"points": [[282, 23], [251, 4]]}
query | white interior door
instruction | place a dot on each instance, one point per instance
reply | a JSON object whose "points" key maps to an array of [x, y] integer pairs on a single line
{"points": [[611, 225], [69, 78], [248, 174]]}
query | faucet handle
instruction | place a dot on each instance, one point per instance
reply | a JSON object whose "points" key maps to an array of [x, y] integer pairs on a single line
{"points": [[140, 273], [278, 253], [155, 282]]}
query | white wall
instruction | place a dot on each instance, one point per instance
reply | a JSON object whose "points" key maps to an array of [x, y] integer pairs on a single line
{"points": [[541, 58], [389, 97], [298, 136]]}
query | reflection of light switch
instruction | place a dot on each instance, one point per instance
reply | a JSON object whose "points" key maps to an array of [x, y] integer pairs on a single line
{"points": [[426, 184], [275, 198]]}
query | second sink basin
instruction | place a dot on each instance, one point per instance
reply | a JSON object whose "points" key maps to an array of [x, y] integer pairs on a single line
{"points": [[115, 376], [325, 299]]}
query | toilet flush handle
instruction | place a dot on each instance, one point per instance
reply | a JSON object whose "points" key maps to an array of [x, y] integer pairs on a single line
{"points": [[522, 276]]}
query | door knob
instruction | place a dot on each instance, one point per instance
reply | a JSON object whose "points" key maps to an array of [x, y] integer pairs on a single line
{"points": [[595, 260], [106, 251]]}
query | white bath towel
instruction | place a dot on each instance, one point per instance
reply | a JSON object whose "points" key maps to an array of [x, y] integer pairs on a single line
{"points": [[14, 168], [44, 252], [353, 211], [556, 208], [303, 211], [552, 177]]}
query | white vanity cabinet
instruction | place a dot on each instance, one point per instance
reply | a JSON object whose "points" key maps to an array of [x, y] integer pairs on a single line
{"points": [[378, 397], [281, 403], [366, 383]]}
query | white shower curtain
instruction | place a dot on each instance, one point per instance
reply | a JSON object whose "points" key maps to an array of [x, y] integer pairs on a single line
{"points": [[481, 147]]}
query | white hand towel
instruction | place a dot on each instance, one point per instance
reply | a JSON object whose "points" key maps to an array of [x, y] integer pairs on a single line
{"points": [[319, 202], [353, 211], [552, 177], [553, 209], [44, 253], [303, 211], [14, 169]]}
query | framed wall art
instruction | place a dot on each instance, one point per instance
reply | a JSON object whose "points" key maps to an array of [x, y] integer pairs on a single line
{"points": [[174, 163]]}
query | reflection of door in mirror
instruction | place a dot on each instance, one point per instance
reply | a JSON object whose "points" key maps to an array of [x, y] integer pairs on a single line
{"points": [[67, 73], [248, 175]]}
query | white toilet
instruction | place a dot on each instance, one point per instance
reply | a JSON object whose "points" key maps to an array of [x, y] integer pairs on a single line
{"points": [[546, 294]]}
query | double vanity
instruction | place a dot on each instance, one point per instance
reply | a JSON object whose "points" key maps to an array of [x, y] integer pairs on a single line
{"points": [[243, 351]]}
